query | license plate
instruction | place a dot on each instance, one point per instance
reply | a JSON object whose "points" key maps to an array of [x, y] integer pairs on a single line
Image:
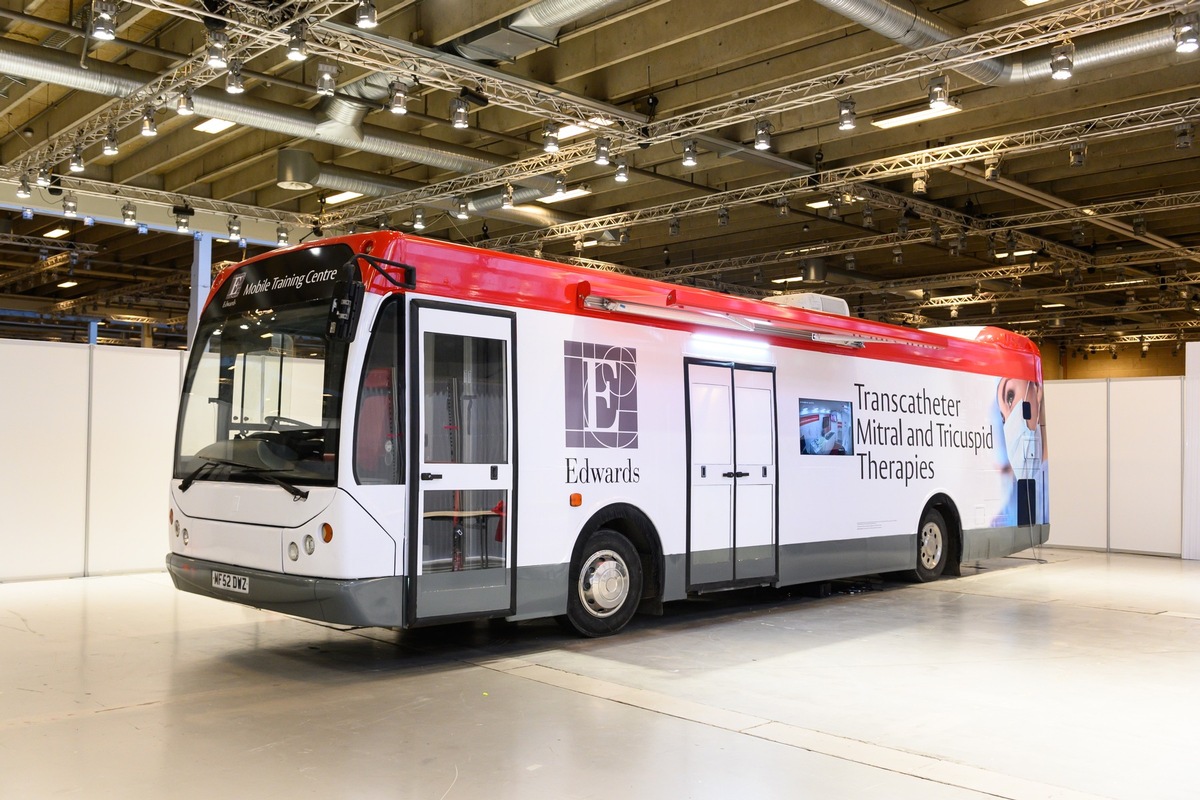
{"points": [[232, 583]]}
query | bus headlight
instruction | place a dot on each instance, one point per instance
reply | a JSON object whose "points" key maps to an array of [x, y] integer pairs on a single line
{"points": [[185, 536], [293, 551], [310, 544]]}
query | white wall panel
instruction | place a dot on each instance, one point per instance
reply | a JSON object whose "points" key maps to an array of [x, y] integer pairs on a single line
{"points": [[135, 398], [43, 458], [1146, 464], [1077, 450]]}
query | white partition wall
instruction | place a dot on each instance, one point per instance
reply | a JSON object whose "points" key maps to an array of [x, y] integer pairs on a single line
{"points": [[43, 466], [86, 435], [1077, 450], [1116, 463], [135, 396]]}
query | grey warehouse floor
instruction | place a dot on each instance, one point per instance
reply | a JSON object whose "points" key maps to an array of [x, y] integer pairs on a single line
{"points": [[1056, 674]]}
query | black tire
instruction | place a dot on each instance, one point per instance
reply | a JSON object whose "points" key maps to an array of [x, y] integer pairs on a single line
{"points": [[605, 585], [933, 547]]}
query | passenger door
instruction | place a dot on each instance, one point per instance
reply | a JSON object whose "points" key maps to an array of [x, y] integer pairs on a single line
{"points": [[461, 546]]}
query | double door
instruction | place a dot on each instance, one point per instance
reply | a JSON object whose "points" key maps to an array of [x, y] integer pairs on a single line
{"points": [[732, 530]]}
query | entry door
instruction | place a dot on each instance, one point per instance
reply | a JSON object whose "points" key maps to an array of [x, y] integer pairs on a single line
{"points": [[731, 453], [460, 554]]}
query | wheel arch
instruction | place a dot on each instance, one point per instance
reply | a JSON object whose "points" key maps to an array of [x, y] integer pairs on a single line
{"points": [[949, 510], [632, 523]]}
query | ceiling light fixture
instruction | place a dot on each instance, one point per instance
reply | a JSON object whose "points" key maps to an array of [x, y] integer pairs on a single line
{"points": [[781, 207], [912, 116], [43, 176], [622, 175], [673, 227], [184, 105], [846, 115], [326, 79], [550, 137], [365, 17], [418, 219], [567, 194], [560, 184], [217, 42], [57, 233], [460, 208], [297, 42], [939, 93], [1183, 27], [23, 190], [76, 163], [762, 135], [1078, 154], [148, 126], [111, 145], [459, 113], [868, 217], [898, 256], [920, 182], [104, 20], [235, 228], [342, 197], [1185, 135], [689, 153], [722, 216], [129, 214], [281, 236], [602, 148], [1139, 225], [214, 126], [1062, 60], [70, 206], [506, 199], [233, 79], [398, 98]]}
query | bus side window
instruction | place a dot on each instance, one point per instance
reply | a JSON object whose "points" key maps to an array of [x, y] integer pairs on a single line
{"points": [[378, 437]]}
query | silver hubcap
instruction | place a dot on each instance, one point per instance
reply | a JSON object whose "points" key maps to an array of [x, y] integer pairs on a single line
{"points": [[931, 545], [603, 583]]}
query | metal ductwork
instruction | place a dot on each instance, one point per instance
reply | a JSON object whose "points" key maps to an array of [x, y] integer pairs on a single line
{"points": [[527, 30], [298, 169], [913, 27], [330, 122]]}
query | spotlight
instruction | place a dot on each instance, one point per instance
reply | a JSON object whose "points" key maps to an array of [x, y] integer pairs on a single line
{"points": [[111, 145], [1078, 237], [281, 236], [550, 137], [851, 263], [920, 182], [233, 78], [1185, 135], [419, 219], [602, 146], [235, 228], [898, 256], [939, 93], [1062, 61], [689, 153], [722, 216], [297, 44], [1078, 154], [182, 223], [560, 183], [27, 213], [868, 217], [935, 233], [23, 190], [991, 169], [76, 162], [1139, 225], [953, 312], [104, 20], [507, 199], [762, 135], [365, 17], [326, 80], [1183, 27], [846, 115], [142, 229], [781, 207], [673, 226], [70, 206], [43, 176], [217, 42], [398, 100], [459, 113], [129, 214], [461, 208], [622, 171], [148, 126], [184, 105]]}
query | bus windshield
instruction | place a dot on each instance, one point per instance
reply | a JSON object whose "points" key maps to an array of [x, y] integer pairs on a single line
{"points": [[263, 397]]}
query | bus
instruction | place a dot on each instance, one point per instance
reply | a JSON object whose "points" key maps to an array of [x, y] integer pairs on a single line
{"points": [[387, 430]]}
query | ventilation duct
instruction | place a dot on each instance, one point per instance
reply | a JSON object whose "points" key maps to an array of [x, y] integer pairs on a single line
{"points": [[527, 30], [913, 27]]}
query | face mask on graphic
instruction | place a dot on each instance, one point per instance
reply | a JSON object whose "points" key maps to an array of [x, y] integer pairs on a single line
{"points": [[1024, 445]]}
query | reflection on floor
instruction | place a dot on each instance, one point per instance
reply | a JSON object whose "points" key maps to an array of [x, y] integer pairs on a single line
{"points": [[1060, 674]]}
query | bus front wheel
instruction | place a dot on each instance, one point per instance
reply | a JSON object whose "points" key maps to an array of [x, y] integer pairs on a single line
{"points": [[606, 584], [932, 548]]}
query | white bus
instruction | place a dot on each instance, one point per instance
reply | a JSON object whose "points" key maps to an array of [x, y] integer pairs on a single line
{"points": [[385, 430]]}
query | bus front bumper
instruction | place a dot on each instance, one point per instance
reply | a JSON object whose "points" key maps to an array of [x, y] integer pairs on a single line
{"points": [[367, 602]]}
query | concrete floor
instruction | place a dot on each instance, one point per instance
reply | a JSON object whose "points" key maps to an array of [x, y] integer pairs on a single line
{"points": [[1060, 674]]}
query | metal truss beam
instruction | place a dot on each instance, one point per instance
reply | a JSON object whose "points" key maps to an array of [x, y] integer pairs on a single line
{"points": [[148, 288]]}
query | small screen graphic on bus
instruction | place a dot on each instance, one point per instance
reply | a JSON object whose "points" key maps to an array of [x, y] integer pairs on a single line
{"points": [[826, 427]]}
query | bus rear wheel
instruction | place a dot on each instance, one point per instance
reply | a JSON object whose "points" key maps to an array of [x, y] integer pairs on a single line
{"points": [[932, 548], [606, 584]]}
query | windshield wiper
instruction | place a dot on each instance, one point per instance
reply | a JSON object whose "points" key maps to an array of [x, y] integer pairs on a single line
{"points": [[260, 472]]}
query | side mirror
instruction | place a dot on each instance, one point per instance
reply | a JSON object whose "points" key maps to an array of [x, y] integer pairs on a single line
{"points": [[1026, 410], [343, 310]]}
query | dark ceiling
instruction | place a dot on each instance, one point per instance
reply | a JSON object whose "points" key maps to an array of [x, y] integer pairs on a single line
{"points": [[1065, 209]]}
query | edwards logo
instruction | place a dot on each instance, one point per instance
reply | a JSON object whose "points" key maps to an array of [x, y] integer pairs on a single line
{"points": [[601, 395]]}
